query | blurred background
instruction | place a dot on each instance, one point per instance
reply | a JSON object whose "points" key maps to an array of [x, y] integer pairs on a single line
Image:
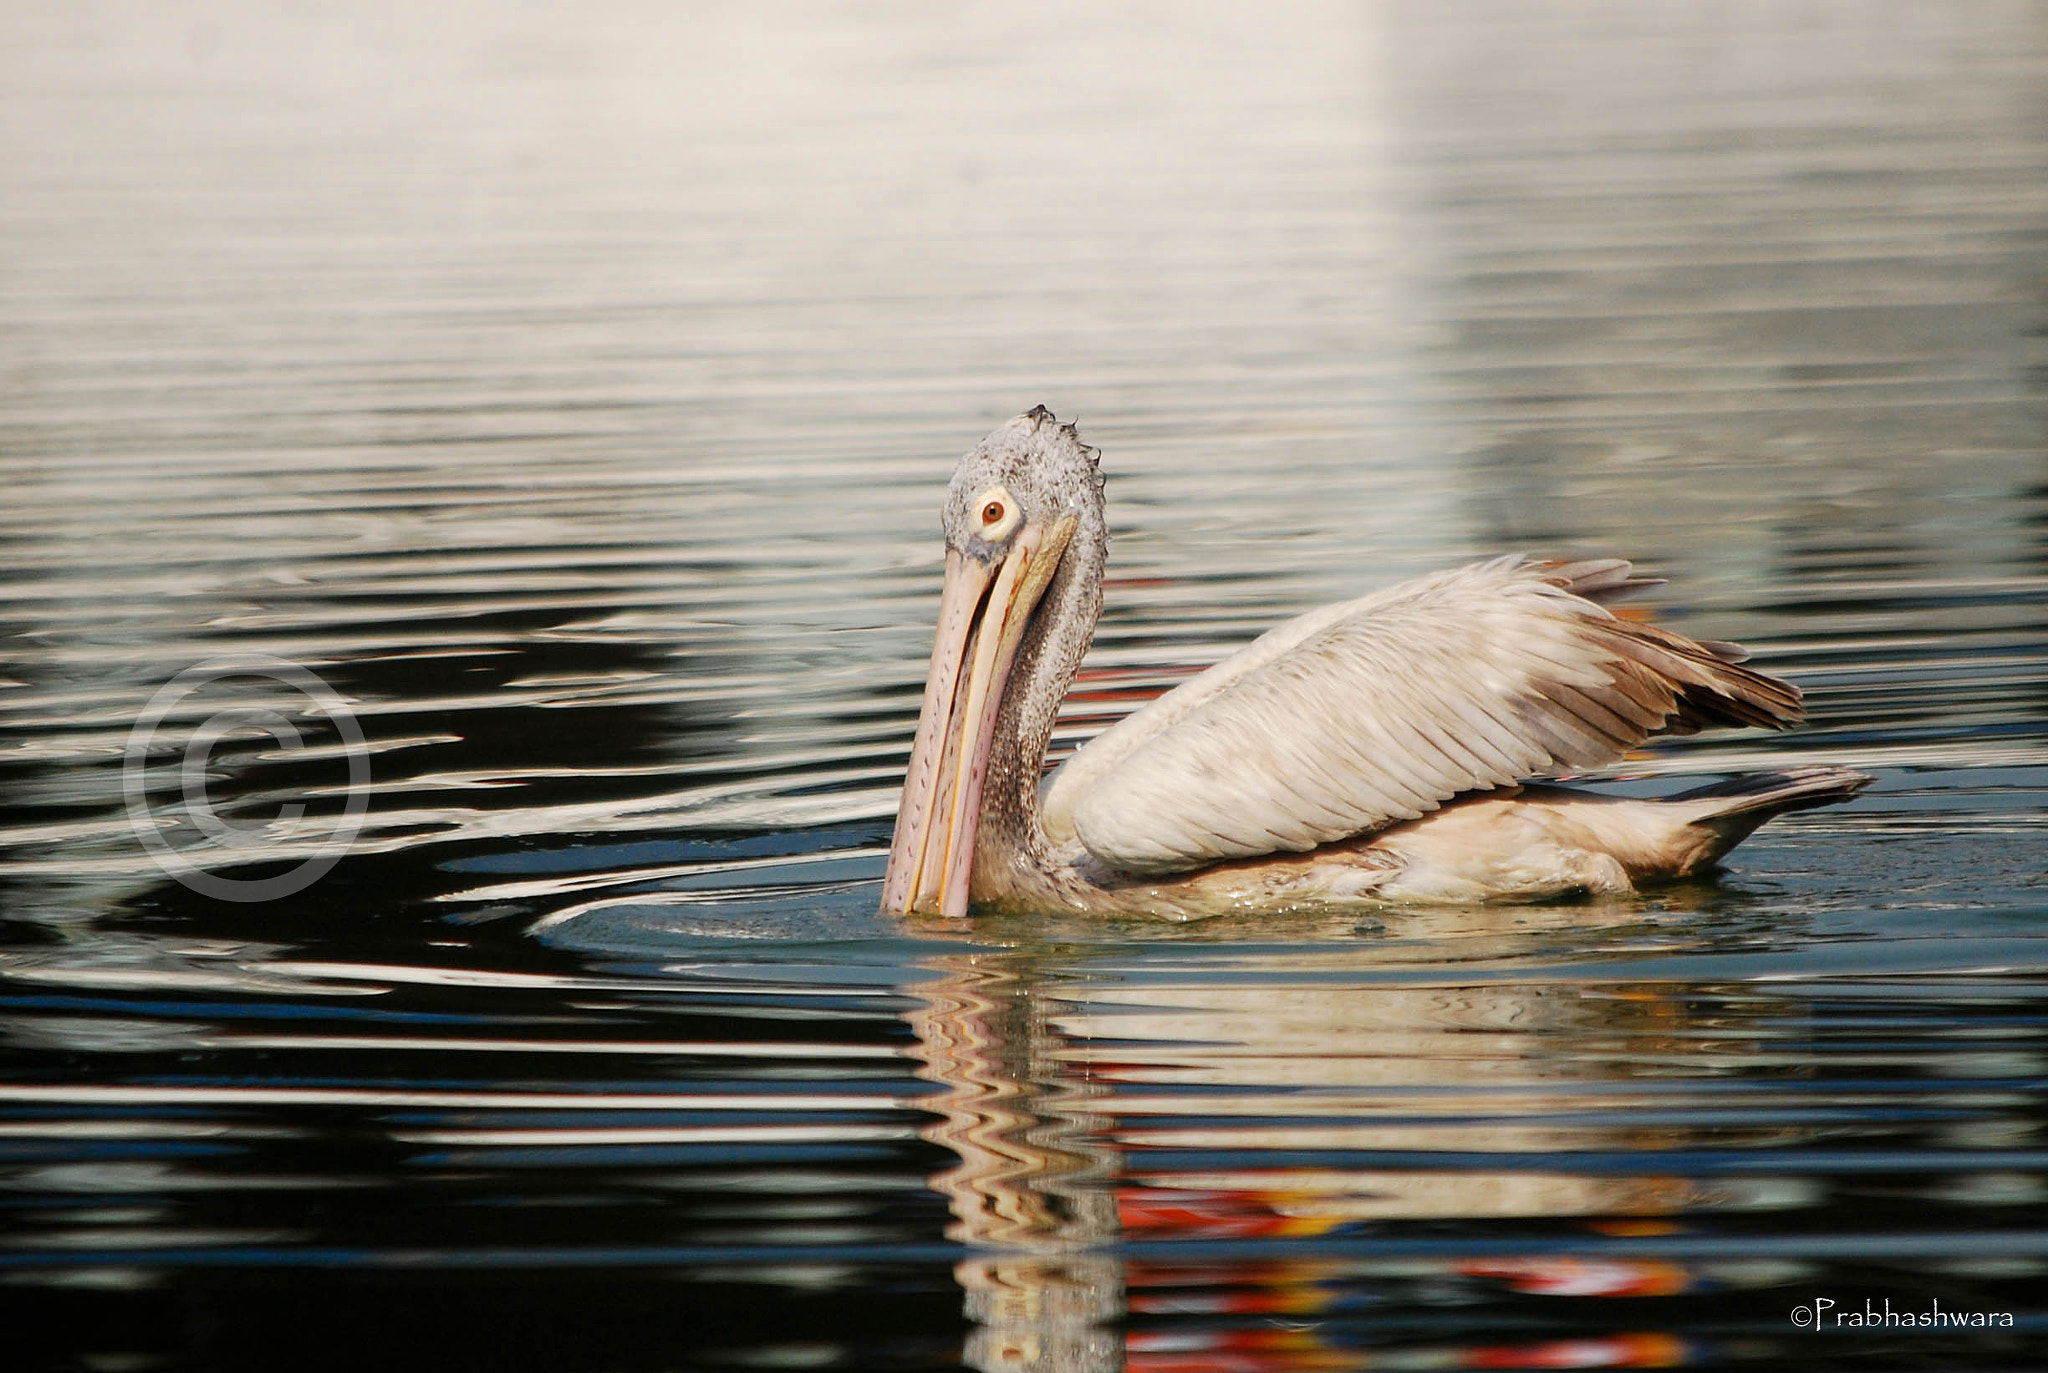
{"points": [[573, 392]]}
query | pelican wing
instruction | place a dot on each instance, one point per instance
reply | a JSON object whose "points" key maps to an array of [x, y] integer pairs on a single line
{"points": [[1359, 715]]}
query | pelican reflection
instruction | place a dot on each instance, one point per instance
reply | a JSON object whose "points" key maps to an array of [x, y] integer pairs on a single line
{"points": [[1095, 1105]]}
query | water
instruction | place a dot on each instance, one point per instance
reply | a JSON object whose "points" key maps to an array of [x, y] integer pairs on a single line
{"points": [[573, 397]]}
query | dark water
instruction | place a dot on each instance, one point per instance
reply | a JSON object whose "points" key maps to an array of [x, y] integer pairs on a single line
{"points": [[572, 397]]}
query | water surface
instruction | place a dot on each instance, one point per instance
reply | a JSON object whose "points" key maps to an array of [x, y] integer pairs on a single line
{"points": [[574, 396]]}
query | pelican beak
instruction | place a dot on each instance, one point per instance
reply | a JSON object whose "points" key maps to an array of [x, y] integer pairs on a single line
{"points": [[982, 616]]}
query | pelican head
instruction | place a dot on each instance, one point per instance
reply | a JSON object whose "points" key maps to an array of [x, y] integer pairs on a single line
{"points": [[1015, 504]]}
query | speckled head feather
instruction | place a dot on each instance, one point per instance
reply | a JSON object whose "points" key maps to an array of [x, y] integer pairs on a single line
{"points": [[1041, 462]]}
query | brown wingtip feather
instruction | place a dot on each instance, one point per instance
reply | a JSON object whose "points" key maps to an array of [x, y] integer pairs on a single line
{"points": [[1709, 686], [1718, 691], [1599, 580], [1669, 684]]}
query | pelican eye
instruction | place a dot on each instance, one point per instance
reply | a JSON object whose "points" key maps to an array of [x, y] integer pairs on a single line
{"points": [[996, 514]]}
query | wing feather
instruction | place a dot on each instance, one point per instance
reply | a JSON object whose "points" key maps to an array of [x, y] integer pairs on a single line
{"points": [[1359, 715]]}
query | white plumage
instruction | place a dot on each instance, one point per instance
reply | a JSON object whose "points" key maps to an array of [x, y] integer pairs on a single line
{"points": [[1357, 715]]}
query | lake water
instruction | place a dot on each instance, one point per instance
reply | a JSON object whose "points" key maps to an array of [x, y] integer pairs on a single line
{"points": [[572, 395]]}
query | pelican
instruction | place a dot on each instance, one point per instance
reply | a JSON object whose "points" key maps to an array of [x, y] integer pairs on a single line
{"points": [[1372, 752]]}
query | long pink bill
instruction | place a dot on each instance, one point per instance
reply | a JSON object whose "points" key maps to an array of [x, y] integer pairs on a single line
{"points": [[982, 615]]}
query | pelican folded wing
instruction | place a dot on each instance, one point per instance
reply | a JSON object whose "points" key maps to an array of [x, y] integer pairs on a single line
{"points": [[1361, 715]]}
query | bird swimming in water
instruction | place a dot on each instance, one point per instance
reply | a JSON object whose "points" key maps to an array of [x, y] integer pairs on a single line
{"points": [[1374, 751]]}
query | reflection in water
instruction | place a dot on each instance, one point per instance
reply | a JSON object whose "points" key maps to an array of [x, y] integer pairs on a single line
{"points": [[1032, 1178], [1094, 1119]]}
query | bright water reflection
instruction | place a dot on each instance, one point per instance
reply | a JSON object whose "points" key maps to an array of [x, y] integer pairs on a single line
{"points": [[575, 398]]}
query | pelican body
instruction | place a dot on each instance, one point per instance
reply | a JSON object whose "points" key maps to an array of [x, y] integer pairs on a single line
{"points": [[1374, 751]]}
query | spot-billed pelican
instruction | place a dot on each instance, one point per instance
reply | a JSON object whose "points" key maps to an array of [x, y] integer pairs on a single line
{"points": [[1372, 751]]}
